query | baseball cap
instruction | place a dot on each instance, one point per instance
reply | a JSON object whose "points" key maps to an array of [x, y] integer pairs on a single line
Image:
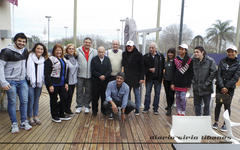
{"points": [[130, 43], [232, 47], [183, 46]]}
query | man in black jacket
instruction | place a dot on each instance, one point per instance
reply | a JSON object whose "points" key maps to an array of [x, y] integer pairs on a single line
{"points": [[153, 66], [132, 63], [101, 70]]}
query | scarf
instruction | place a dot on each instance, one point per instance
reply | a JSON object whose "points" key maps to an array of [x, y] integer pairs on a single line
{"points": [[182, 69], [31, 70]]}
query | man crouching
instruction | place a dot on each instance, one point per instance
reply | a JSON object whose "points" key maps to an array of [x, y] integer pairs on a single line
{"points": [[117, 96]]}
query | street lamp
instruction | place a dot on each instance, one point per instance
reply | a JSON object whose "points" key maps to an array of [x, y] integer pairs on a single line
{"points": [[48, 18], [122, 42]]}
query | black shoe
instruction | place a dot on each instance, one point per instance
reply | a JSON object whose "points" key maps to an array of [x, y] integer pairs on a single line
{"points": [[65, 118], [166, 108], [137, 112], [56, 119], [110, 116], [169, 112]]}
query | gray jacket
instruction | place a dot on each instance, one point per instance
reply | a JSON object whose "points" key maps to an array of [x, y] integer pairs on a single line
{"points": [[204, 73], [84, 66], [73, 68], [12, 64]]}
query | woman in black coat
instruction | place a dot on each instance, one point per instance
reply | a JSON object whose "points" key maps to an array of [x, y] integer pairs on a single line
{"points": [[133, 66], [227, 77]]}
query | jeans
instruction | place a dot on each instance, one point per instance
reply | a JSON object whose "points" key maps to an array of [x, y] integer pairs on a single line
{"points": [[157, 88], [33, 101], [20, 88], [136, 91], [198, 104], [108, 106]]}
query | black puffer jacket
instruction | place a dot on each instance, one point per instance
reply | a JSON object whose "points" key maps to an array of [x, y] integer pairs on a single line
{"points": [[133, 67], [204, 72], [228, 74]]}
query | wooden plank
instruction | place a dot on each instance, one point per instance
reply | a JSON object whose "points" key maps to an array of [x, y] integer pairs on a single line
{"points": [[101, 132]]}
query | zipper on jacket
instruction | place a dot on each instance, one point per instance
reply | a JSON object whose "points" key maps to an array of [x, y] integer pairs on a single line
{"points": [[11, 72]]}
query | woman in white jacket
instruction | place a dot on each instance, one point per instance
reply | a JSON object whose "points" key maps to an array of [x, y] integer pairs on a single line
{"points": [[35, 78]]}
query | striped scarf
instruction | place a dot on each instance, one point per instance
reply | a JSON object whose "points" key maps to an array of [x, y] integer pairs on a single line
{"points": [[179, 66]]}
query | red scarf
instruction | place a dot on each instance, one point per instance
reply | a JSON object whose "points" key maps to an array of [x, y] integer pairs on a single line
{"points": [[86, 52]]}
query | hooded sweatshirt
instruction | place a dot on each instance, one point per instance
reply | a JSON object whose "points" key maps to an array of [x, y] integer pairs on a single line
{"points": [[12, 64]]}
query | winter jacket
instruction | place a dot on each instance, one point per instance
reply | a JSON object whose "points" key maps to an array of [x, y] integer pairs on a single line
{"points": [[228, 74], [73, 68], [168, 73], [204, 72], [99, 68], [182, 80], [84, 66], [12, 64], [157, 62], [51, 77], [133, 67]]}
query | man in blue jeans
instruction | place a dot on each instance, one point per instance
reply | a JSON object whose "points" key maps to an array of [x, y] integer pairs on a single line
{"points": [[153, 65], [12, 79]]}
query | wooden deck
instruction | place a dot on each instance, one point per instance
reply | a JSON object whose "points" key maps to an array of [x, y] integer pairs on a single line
{"points": [[84, 131]]}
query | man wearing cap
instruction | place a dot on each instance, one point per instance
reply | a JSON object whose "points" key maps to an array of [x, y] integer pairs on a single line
{"points": [[153, 66], [117, 96], [133, 67], [227, 77], [115, 56]]}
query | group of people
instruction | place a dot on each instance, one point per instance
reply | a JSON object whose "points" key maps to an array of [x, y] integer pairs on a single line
{"points": [[110, 75]]}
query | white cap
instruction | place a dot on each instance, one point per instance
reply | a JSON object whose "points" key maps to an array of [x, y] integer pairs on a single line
{"points": [[130, 43], [183, 46], [232, 47]]}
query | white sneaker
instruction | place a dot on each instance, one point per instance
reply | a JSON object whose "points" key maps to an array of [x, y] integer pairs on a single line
{"points": [[78, 110], [15, 128], [86, 111], [25, 125]]}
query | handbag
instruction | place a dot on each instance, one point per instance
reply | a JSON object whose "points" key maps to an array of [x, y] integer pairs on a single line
{"points": [[223, 98]]}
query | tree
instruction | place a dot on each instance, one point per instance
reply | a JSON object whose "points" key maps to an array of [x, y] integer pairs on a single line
{"points": [[220, 33], [170, 35]]}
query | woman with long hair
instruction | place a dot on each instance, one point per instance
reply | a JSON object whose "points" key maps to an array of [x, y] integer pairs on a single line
{"points": [[35, 78], [168, 77]]}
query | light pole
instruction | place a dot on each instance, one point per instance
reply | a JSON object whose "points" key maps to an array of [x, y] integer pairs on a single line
{"points": [[118, 30], [65, 27], [122, 42], [181, 24], [48, 18]]}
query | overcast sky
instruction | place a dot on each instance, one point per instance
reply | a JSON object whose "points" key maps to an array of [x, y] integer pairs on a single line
{"points": [[102, 17]]}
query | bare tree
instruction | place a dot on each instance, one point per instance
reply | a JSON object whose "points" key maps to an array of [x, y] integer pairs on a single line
{"points": [[170, 35]]}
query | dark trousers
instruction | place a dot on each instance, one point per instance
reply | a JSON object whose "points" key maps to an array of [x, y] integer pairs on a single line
{"points": [[198, 104], [108, 106], [169, 93], [98, 90], [69, 98], [58, 108], [219, 105]]}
